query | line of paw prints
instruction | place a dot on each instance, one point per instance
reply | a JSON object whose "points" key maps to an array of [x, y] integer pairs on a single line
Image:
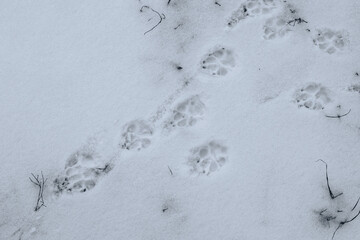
{"points": [[207, 158], [82, 171], [186, 113], [218, 62], [136, 135], [327, 40], [313, 96], [330, 41], [251, 8]]}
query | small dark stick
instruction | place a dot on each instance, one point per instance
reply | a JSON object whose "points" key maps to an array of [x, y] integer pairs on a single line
{"points": [[218, 3], [296, 20], [338, 116], [161, 17], [175, 28], [327, 182], [41, 184], [344, 222], [355, 204], [171, 172]]}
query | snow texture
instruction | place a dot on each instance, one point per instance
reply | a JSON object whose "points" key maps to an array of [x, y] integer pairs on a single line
{"points": [[180, 120]]}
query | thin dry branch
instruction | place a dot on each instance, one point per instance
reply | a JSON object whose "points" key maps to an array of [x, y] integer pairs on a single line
{"points": [[171, 172], [161, 17], [179, 25], [338, 116], [40, 183], [327, 182], [296, 21], [355, 204], [343, 223]]}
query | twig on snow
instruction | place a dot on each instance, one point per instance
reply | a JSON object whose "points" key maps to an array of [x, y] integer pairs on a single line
{"points": [[40, 183], [178, 26], [355, 204], [338, 116], [342, 223], [327, 182], [171, 172], [296, 21], [161, 17]]}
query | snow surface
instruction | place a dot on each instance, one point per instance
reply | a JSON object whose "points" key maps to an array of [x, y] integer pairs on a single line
{"points": [[224, 148]]}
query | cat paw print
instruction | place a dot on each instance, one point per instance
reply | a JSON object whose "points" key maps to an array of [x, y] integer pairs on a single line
{"points": [[276, 27], [82, 171], [354, 88], [313, 96], [282, 24], [331, 41], [186, 113], [136, 135], [218, 62], [207, 158], [251, 8]]}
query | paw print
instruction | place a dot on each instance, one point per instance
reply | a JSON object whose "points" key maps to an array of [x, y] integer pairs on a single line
{"points": [[251, 8], [137, 135], [186, 113], [82, 171], [276, 27], [331, 41], [207, 158], [313, 96], [218, 62]]}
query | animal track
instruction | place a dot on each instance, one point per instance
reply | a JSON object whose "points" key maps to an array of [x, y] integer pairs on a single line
{"points": [[331, 41], [207, 158], [218, 62], [82, 170], [186, 113], [354, 88], [251, 8], [313, 96], [279, 26], [137, 135], [276, 27]]}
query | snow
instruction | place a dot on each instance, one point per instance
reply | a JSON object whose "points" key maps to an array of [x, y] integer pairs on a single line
{"points": [[87, 96]]}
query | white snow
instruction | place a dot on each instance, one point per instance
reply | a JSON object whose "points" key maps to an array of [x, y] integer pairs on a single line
{"points": [[195, 130]]}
